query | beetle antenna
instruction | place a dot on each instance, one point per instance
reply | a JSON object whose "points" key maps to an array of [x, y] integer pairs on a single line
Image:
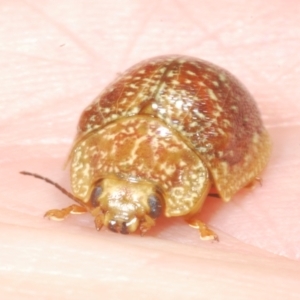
{"points": [[64, 191]]}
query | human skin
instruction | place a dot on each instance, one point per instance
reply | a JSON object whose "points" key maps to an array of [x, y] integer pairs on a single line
{"points": [[55, 58]]}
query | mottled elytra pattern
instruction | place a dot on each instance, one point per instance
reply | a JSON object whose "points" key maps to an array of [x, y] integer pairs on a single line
{"points": [[207, 106], [142, 148]]}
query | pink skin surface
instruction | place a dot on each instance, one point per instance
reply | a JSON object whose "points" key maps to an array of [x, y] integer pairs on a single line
{"points": [[56, 56]]}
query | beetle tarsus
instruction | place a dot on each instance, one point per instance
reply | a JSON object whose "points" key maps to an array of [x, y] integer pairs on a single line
{"points": [[253, 183], [206, 234], [99, 219], [146, 225], [61, 214]]}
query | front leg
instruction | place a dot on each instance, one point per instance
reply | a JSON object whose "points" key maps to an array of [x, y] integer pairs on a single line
{"points": [[205, 233], [61, 214], [146, 224]]}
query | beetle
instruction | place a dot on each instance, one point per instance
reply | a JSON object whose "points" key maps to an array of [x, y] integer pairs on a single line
{"points": [[156, 141]]}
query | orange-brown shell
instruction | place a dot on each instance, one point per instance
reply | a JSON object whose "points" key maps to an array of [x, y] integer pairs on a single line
{"points": [[210, 109]]}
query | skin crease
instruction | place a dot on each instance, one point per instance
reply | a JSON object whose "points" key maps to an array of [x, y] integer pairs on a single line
{"points": [[55, 58]]}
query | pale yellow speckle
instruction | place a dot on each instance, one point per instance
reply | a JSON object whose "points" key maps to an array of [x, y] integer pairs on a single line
{"points": [[162, 70], [163, 177], [161, 88], [170, 74], [182, 163], [193, 124], [163, 111], [201, 83], [222, 77], [221, 131], [226, 123], [212, 95], [218, 107], [194, 176], [191, 73], [199, 114], [86, 170], [83, 192], [178, 192], [170, 169], [154, 106], [178, 104], [216, 114], [133, 111], [169, 183], [153, 88], [133, 86], [234, 108]]}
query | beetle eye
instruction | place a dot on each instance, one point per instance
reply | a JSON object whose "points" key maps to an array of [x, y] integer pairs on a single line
{"points": [[95, 195], [155, 206]]}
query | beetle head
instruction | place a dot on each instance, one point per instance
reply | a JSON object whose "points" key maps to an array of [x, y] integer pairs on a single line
{"points": [[124, 205]]}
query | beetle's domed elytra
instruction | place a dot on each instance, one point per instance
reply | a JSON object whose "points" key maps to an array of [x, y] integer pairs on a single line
{"points": [[157, 139], [207, 106]]}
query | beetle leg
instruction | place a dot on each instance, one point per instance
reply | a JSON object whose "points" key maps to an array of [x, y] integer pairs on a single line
{"points": [[205, 232], [146, 224], [99, 219], [61, 214], [253, 183]]}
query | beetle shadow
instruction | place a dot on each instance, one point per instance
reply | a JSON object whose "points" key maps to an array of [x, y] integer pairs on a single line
{"points": [[214, 204], [210, 207]]}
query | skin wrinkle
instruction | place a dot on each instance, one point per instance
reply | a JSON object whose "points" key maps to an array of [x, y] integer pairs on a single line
{"points": [[62, 260], [80, 43]]}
